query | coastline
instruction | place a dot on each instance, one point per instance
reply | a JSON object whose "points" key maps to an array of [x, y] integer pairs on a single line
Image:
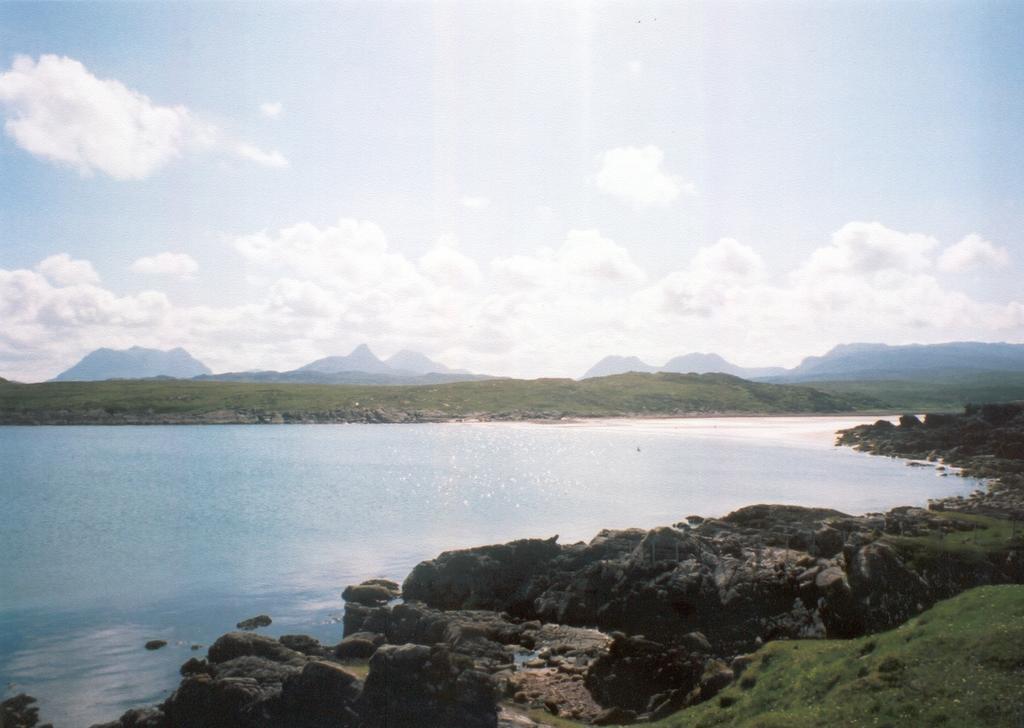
{"points": [[256, 417], [908, 519]]}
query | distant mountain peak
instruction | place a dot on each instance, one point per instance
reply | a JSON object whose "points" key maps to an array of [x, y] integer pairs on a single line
{"points": [[136, 362], [615, 364], [415, 362], [361, 359], [700, 363]]}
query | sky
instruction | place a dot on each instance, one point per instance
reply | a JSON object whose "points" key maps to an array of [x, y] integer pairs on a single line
{"points": [[516, 188]]}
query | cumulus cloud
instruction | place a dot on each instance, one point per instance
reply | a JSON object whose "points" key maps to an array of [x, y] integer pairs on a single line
{"points": [[972, 252], [635, 175], [57, 110], [320, 289], [166, 264], [445, 265], [271, 109], [866, 248], [63, 270], [585, 257]]}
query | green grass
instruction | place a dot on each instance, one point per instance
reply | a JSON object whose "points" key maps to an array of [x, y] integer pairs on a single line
{"points": [[635, 394], [948, 394], [977, 539], [961, 663], [555, 721]]}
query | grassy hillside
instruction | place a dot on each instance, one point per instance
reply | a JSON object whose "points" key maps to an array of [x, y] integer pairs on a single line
{"points": [[941, 394], [961, 663], [653, 394]]}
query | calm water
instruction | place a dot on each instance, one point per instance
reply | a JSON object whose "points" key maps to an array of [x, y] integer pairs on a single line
{"points": [[110, 537]]}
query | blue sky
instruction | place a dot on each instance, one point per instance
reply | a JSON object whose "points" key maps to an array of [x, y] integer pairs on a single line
{"points": [[517, 188]]}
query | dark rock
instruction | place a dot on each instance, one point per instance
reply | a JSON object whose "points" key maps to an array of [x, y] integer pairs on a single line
{"points": [[261, 620], [202, 701], [194, 666], [238, 644], [156, 644], [827, 542], [19, 712], [415, 686], [138, 718], [302, 643], [695, 642], [322, 695], [371, 593], [360, 645], [636, 669], [491, 577], [909, 421]]}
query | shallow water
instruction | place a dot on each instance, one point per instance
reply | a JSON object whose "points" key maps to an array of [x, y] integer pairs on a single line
{"points": [[114, 536]]}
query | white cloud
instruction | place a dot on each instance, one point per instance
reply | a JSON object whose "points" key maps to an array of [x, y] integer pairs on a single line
{"points": [[63, 270], [255, 154], [166, 264], [729, 260], [57, 110], [446, 266], [635, 68], [972, 252], [863, 248], [474, 203], [271, 109], [585, 258], [319, 290], [635, 175]]}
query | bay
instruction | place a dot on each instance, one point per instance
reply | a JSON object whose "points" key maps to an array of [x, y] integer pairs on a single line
{"points": [[112, 536]]}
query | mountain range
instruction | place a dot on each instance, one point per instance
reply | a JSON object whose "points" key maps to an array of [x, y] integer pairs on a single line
{"points": [[846, 362], [361, 366], [696, 363]]}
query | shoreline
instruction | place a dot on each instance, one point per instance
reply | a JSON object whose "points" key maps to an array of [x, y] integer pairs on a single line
{"points": [[908, 519], [543, 656], [247, 417]]}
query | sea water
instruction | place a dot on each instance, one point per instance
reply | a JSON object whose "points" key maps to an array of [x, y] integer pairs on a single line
{"points": [[113, 536]]}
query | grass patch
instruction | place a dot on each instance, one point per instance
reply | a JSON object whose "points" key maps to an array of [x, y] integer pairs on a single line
{"points": [[961, 663], [976, 539], [545, 718]]}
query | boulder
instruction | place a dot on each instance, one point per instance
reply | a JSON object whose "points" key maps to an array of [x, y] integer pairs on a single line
{"points": [[415, 686], [360, 645], [302, 643], [238, 644], [322, 695], [260, 620], [636, 669], [372, 593]]}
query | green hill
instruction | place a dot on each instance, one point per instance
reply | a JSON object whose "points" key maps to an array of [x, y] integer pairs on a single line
{"points": [[934, 394], [961, 663], [625, 394]]}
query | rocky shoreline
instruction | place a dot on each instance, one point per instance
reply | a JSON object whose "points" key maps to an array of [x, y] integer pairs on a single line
{"points": [[985, 441], [631, 626]]}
